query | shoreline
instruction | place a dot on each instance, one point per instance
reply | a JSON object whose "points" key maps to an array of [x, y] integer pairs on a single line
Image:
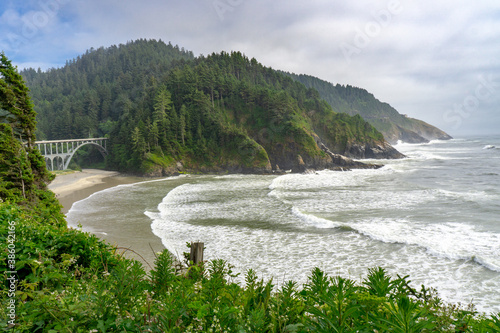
{"points": [[79, 185], [72, 187]]}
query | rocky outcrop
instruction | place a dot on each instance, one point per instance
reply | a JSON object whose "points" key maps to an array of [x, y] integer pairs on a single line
{"points": [[427, 131], [290, 157], [346, 162], [408, 130], [381, 150], [409, 137], [394, 133]]}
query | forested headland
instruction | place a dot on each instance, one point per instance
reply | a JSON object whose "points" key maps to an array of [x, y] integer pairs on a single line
{"points": [[357, 101], [166, 111]]}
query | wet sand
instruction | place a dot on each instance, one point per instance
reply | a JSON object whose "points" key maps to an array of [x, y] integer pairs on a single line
{"points": [[73, 187]]}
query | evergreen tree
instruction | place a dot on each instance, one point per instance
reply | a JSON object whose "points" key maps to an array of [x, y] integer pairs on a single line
{"points": [[15, 105], [138, 142], [23, 174], [182, 124]]}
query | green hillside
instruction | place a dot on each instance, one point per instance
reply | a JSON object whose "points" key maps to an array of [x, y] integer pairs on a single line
{"points": [[166, 111], [351, 100]]}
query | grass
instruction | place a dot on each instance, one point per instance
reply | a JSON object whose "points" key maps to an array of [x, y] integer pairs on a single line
{"points": [[63, 172]]}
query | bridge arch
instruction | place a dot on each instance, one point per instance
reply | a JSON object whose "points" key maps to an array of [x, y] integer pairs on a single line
{"points": [[49, 162], [55, 162], [63, 151], [101, 149]]}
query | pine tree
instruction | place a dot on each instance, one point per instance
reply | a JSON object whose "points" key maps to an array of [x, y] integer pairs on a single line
{"points": [[138, 142], [23, 174], [182, 123], [163, 104], [15, 105], [154, 135]]}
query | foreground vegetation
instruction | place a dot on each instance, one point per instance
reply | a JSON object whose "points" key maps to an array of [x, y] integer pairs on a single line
{"points": [[70, 281]]}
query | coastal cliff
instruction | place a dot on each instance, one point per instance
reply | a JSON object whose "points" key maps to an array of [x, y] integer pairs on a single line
{"points": [[357, 101]]}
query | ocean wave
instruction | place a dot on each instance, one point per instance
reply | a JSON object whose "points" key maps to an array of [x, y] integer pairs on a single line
{"points": [[315, 221], [489, 147], [492, 264], [278, 195], [341, 222], [455, 241], [326, 179], [473, 196], [401, 143], [169, 178], [401, 168], [234, 201], [438, 142], [434, 155], [152, 215], [78, 205]]}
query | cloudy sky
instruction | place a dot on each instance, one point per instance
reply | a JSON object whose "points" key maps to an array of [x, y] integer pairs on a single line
{"points": [[438, 61]]}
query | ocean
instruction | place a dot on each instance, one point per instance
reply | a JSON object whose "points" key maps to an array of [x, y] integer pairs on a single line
{"points": [[434, 216]]}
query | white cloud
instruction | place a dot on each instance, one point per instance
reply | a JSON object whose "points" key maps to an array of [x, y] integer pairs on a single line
{"points": [[10, 18]]}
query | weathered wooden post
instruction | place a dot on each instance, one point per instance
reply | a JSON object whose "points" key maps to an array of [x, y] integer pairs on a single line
{"points": [[196, 255]]}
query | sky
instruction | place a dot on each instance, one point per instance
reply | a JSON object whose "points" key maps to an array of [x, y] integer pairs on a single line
{"points": [[438, 61]]}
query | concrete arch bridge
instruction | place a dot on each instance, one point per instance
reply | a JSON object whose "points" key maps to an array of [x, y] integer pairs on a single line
{"points": [[58, 153]]}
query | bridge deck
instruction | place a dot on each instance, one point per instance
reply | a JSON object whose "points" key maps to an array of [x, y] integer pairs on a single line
{"points": [[71, 140]]}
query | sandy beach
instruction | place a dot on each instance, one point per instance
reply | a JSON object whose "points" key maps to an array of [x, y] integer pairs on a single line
{"points": [[73, 187], [78, 185]]}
